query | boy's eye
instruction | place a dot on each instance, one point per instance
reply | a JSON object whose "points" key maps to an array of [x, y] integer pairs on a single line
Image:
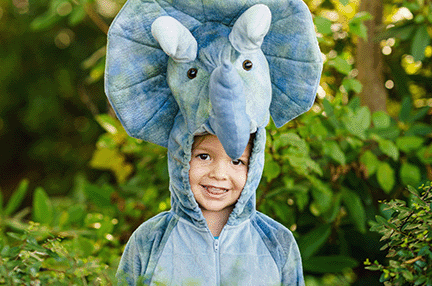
{"points": [[204, 156], [237, 162]]}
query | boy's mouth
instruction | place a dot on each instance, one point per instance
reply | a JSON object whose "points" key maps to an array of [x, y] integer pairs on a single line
{"points": [[215, 190]]}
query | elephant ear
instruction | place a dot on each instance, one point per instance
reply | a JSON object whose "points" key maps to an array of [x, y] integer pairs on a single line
{"points": [[250, 28], [176, 41], [294, 58], [135, 72]]}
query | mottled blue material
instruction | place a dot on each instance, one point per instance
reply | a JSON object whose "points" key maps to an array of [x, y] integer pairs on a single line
{"points": [[156, 101], [136, 71]]}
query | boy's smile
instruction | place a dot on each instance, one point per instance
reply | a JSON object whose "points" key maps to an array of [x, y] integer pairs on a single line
{"points": [[216, 180]]}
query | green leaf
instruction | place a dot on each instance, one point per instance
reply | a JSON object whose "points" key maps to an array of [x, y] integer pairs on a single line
{"points": [[386, 177], [322, 194], [271, 170], [406, 107], [362, 16], [111, 125], [392, 132], [42, 207], [77, 16], [328, 107], [76, 214], [301, 197], [381, 119], [370, 161], [341, 65], [303, 165], [331, 215], [45, 22], [389, 148], [419, 115], [358, 122], [425, 155], [85, 245], [96, 72], [403, 32], [410, 174], [358, 29], [363, 116], [333, 150], [318, 129], [419, 129], [17, 198], [352, 84], [355, 209], [112, 159], [356, 24], [409, 143], [323, 25], [100, 196], [385, 222], [329, 264], [312, 241], [344, 2], [420, 41], [292, 139]]}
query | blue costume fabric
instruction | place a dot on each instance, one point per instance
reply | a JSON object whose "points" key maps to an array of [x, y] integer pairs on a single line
{"points": [[177, 69]]}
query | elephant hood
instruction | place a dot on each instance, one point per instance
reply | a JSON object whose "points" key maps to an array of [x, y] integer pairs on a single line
{"points": [[150, 94]]}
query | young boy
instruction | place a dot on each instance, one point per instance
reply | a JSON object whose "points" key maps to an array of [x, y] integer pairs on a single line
{"points": [[209, 104], [213, 235], [216, 180]]}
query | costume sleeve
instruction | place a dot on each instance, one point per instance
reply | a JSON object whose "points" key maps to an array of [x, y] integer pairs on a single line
{"points": [[143, 250], [292, 271], [130, 264]]}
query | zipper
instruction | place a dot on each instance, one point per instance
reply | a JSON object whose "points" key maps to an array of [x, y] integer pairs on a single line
{"points": [[216, 247]]}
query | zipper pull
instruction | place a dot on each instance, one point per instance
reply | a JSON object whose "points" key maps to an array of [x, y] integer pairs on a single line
{"points": [[216, 244]]}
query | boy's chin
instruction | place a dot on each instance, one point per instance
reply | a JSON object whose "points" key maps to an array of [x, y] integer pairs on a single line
{"points": [[216, 208]]}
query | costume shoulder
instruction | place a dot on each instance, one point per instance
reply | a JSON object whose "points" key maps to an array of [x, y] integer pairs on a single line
{"points": [[282, 246], [143, 250]]}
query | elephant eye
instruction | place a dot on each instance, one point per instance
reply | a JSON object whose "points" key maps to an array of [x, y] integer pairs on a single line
{"points": [[192, 73], [247, 65]]}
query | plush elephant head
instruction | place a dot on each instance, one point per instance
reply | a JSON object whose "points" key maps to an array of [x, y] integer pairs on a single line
{"points": [[221, 66], [227, 82]]}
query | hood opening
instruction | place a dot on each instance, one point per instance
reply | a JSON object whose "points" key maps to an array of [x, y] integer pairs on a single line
{"points": [[182, 199]]}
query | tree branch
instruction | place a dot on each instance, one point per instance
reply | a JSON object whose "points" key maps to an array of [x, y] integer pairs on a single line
{"points": [[96, 18]]}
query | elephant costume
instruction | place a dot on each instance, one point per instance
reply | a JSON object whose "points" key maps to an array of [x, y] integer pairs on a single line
{"points": [[177, 69]]}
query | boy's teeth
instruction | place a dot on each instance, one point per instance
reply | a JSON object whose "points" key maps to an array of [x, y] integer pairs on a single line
{"points": [[216, 190]]}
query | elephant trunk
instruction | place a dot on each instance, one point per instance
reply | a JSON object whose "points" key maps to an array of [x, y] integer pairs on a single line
{"points": [[229, 120]]}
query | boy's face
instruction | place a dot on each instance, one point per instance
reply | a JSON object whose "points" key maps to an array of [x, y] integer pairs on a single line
{"points": [[216, 180]]}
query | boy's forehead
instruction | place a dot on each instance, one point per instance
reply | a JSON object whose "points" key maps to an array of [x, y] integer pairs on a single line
{"points": [[210, 141], [206, 139]]}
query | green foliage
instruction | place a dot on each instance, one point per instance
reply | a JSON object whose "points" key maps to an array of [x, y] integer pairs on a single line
{"points": [[413, 29], [73, 241], [17, 198], [328, 166], [36, 258], [42, 207], [408, 240]]}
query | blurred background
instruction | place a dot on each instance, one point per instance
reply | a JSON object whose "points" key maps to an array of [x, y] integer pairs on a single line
{"points": [[67, 164]]}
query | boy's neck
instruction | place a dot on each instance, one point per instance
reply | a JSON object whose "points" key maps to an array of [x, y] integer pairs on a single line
{"points": [[216, 220]]}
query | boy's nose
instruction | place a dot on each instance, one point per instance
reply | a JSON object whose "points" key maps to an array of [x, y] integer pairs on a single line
{"points": [[219, 171]]}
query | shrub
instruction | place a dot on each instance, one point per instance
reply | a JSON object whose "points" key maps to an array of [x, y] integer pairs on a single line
{"points": [[408, 240], [37, 258]]}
